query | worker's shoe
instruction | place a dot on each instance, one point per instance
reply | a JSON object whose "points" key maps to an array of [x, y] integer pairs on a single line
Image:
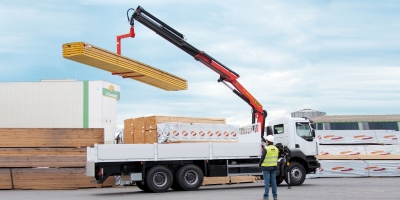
{"points": [[275, 198]]}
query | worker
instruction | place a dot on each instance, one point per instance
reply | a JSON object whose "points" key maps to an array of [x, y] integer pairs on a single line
{"points": [[268, 164]]}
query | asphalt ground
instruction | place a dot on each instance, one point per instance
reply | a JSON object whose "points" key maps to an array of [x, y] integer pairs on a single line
{"points": [[317, 188]]}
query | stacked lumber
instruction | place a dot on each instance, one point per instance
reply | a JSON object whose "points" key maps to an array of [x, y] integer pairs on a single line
{"points": [[41, 158], [143, 130], [5, 179], [216, 180], [53, 178], [358, 153], [119, 65], [242, 179], [358, 145], [50, 137], [223, 180]]}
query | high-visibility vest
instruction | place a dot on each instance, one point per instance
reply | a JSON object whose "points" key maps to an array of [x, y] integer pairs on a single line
{"points": [[271, 158]]}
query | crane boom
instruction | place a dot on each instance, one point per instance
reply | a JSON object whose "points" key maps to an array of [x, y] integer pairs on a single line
{"points": [[226, 74]]}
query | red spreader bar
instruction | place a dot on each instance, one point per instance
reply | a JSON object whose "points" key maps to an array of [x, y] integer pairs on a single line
{"points": [[119, 37]]}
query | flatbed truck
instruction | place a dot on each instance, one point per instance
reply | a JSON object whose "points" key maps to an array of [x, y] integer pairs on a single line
{"points": [[158, 167]]}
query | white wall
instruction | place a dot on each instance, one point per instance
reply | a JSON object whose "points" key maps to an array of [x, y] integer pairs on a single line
{"points": [[102, 108], [55, 104], [60, 104]]}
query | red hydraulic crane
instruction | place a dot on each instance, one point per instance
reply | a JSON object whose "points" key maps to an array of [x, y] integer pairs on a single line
{"points": [[226, 75]]}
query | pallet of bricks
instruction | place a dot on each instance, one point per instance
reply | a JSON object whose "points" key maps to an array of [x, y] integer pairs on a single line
{"points": [[47, 158], [367, 153], [143, 130]]}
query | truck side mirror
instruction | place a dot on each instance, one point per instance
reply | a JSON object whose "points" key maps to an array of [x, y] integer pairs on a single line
{"points": [[313, 133], [269, 130], [312, 125]]}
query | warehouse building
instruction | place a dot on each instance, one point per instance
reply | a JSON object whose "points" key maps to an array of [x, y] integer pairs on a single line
{"points": [[350, 122], [60, 104]]}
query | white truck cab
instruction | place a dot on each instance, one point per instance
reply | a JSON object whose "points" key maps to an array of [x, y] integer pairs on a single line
{"points": [[297, 135]]}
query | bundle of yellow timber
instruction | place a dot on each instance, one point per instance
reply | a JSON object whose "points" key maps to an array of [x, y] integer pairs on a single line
{"points": [[119, 65], [47, 158], [143, 130]]}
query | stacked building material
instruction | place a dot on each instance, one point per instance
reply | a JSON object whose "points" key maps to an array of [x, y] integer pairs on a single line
{"points": [[223, 180], [194, 132], [5, 179], [143, 130], [119, 65], [358, 153], [41, 158]]}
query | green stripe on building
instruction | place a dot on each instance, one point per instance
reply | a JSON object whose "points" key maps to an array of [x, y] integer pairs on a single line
{"points": [[85, 104]]}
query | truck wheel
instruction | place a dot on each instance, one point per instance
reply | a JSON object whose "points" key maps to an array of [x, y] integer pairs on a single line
{"points": [[297, 174], [279, 180], [189, 177], [142, 186], [158, 179]]}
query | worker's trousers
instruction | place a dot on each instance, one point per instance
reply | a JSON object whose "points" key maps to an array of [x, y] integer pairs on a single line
{"points": [[269, 174]]}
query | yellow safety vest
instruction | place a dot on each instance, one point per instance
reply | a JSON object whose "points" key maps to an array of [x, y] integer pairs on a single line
{"points": [[271, 158]]}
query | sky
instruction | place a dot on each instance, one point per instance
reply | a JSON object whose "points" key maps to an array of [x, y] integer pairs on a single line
{"points": [[339, 57]]}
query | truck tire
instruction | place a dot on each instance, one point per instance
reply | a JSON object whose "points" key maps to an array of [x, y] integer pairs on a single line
{"points": [[189, 177], [297, 174], [158, 179], [142, 186]]}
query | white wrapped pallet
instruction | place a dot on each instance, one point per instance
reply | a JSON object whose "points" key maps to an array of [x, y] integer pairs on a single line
{"points": [[186, 132], [382, 149], [383, 167], [342, 150], [346, 137], [342, 168], [387, 137]]}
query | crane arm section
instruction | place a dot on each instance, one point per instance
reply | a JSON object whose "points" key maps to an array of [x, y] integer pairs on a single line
{"points": [[226, 74]]}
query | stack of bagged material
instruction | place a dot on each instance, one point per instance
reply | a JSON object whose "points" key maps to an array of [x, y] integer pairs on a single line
{"points": [[45, 158], [143, 130], [358, 153]]}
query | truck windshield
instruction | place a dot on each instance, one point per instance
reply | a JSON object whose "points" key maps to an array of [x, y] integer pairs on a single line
{"points": [[303, 130]]}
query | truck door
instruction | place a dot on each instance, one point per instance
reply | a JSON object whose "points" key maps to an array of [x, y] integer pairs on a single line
{"points": [[280, 134], [303, 138]]}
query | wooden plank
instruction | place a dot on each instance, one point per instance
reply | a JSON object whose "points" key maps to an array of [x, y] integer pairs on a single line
{"points": [[128, 131], [42, 157], [152, 121], [211, 120], [51, 137], [128, 124], [150, 137], [119, 65], [54, 178], [183, 119], [138, 130], [215, 180], [358, 157], [242, 179], [5, 179]]}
